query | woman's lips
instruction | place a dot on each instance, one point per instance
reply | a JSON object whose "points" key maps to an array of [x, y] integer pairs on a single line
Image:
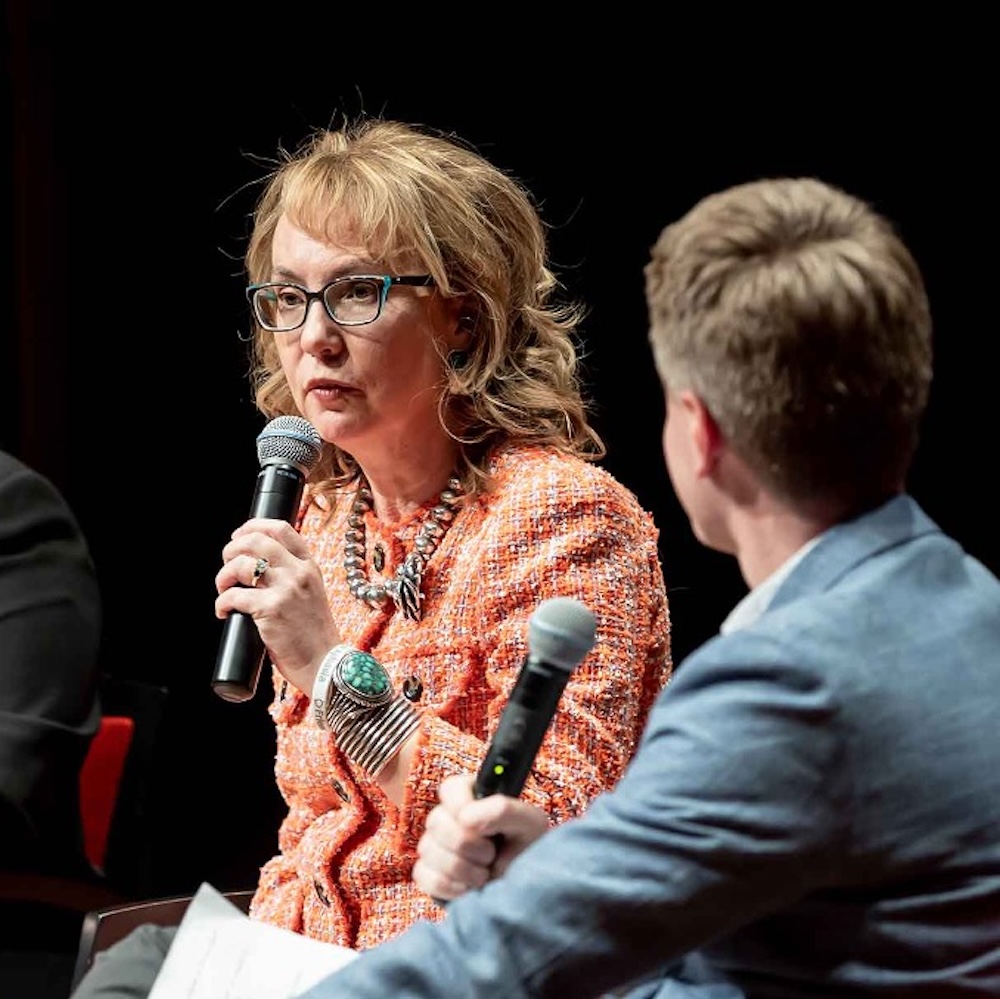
{"points": [[329, 390]]}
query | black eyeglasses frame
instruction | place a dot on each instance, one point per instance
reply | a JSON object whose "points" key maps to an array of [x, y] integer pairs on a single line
{"points": [[385, 282]]}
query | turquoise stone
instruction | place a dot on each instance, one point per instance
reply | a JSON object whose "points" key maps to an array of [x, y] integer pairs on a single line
{"points": [[364, 674]]}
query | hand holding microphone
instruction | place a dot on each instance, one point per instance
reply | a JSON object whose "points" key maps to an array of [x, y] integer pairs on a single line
{"points": [[468, 841], [288, 448]]}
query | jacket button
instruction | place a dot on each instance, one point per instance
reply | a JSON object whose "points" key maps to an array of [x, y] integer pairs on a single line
{"points": [[340, 789], [321, 892], [412, 688]]}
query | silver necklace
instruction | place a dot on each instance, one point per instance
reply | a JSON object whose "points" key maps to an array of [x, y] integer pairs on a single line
{"points": [[405, 587]]}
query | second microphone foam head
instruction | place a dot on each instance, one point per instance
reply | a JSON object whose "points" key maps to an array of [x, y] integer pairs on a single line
{"points": [[561, 631]]}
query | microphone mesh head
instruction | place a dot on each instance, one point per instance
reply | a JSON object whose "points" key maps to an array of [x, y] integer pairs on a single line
{"points": [[561, 631], [290, 439]]}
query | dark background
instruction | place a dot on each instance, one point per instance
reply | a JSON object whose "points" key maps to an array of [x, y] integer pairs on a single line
{"points": [[131, 149]]}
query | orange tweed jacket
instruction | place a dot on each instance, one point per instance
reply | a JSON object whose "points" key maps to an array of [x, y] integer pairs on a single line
{"points": [[553, 526]]}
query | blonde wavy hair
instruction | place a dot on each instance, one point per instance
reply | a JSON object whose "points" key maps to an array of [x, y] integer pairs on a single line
{"points": [[405, 191], [799, 317]]}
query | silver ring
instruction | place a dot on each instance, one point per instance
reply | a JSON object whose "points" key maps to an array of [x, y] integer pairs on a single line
{"points": [[261, 566]]}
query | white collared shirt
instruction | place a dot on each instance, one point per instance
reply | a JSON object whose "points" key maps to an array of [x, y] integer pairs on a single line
{"points": [[750, 608]]}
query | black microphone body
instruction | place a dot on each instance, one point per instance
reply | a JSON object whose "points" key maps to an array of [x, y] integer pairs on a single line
{"points": [[288, 447], [522, 727], [561, 632]]}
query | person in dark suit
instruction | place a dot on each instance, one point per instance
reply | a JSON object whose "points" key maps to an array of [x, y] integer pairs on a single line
{"points": [[814, 806], [50, 630]]}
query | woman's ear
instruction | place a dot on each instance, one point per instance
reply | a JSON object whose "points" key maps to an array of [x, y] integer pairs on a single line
{"points": [[465, 329], [461, 334], [457, 322]]}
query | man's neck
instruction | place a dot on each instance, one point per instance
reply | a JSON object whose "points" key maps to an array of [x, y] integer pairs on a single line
{"points": [[765, 540]]}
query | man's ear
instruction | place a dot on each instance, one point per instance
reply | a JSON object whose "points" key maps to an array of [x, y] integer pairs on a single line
{"points": [[706, 437]]}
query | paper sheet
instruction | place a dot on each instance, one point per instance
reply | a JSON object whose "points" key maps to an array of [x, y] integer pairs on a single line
{"points": [[220, 953]]}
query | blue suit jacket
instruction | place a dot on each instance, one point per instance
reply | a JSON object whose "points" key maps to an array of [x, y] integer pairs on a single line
{"points": [[814, 810]]}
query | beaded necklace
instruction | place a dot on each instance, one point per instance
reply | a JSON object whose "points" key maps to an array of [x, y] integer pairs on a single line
{"points": [[405, 587]]}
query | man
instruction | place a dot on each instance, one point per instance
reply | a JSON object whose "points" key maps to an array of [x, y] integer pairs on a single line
{"points": [[814, 809], [50, 632], [50, 629]]}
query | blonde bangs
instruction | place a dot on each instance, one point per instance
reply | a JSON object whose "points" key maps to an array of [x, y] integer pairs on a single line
{"points": [[339, 201]]}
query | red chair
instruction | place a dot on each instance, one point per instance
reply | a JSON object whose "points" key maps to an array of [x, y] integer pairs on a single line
{"points": [[115, 784], [100, 779]]}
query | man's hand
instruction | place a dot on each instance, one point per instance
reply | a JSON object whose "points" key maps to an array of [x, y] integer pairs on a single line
{"points": [[457, 851]]}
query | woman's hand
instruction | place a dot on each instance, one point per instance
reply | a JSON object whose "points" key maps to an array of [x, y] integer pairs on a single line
{"points": [[287, 600], [457, 850]]}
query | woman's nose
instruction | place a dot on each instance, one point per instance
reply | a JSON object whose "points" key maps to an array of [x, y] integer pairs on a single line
{"points": [[319, 334]]}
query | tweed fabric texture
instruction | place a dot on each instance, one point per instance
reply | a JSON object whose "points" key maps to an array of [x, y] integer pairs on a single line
{"points": [[552, 526]]}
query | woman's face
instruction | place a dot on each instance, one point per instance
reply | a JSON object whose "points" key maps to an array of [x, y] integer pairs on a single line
{"points": [[368, 389]]}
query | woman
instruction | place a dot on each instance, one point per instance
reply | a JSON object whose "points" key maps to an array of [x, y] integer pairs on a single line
{"points": [[403, 305]]}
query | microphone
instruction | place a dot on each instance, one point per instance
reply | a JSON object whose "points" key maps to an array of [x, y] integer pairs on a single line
{"points": [[288, 448], [561, 632]]}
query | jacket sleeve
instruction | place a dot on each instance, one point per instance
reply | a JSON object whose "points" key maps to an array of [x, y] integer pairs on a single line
{"points": [[682, 851], [588, 539]]}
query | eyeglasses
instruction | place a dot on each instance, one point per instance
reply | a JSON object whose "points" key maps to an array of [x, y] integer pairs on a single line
{"points": [[352, 300]]}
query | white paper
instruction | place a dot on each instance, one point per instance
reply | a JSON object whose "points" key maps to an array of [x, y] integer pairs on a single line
{"points": [[220, 953]]}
